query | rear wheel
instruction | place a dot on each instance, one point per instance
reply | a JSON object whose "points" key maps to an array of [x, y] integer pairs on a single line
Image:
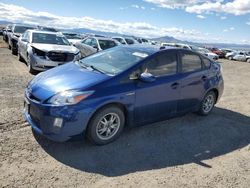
{"points": [[106, 125], [248, 60], [207, 104], [13, 51]]}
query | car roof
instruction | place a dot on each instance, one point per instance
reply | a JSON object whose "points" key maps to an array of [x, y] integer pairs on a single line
{"points": [[46, 32], [101, 38]]}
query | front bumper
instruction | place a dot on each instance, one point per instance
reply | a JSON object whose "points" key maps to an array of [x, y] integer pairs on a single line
{"points": [[41, 63], [57, 123]]}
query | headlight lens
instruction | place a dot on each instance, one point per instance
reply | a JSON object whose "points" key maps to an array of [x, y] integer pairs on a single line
{"points": [[69, 97]]}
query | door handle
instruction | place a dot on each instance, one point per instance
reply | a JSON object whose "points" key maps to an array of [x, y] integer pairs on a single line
{"points": [[204, 78], [175, 85]]}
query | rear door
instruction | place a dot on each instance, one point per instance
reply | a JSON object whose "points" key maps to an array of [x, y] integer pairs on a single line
{"points": [[193, 80], [158, 99]]}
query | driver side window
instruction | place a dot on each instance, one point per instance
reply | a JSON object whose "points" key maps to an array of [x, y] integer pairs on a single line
{"points": [[164, 64]]}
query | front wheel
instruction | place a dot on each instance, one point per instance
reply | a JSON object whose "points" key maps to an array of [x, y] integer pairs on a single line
{"points": [[106, 126], [207, 104], [30, 66]]}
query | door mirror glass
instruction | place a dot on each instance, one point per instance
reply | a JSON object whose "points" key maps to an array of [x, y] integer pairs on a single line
{"points": [[147, 77]]}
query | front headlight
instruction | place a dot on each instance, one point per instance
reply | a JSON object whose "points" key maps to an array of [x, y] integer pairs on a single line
{"points": [[69, 97]]}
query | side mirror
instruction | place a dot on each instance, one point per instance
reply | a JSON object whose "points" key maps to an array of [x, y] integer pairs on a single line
{"points": [[146, 77]]}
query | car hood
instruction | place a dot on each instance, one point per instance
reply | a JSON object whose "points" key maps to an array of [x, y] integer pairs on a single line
{"points": [[70, 76], [55, 48]]}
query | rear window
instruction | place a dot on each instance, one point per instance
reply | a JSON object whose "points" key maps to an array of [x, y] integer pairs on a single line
{"points": [[45, 38], [190, 62], [105, 44]]}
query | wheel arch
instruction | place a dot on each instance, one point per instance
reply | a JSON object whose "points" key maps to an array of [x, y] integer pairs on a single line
{"points": [[114, 104], [216, 92]]}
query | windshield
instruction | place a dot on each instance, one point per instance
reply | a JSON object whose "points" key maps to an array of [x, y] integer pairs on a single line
{"points": [[72, 36], [21, 29], [45, 38], [105, 44], [115, 60]]}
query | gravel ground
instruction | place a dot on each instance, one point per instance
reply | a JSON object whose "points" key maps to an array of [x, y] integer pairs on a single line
{"points": [[190, 151]]}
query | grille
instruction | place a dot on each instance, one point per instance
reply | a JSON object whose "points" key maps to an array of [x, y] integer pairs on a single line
{"points": [[60, 57]]}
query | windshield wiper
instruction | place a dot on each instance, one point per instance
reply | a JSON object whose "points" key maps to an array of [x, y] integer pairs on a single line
{"points": [[96, 69], [86, 66]]}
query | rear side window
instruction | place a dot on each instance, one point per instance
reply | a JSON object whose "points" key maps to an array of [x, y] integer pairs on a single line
{"points": [[190, 62], [162, 65]]}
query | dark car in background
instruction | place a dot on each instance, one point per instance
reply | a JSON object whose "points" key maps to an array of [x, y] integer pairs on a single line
{"points": [[125, 85], [16, 31]]}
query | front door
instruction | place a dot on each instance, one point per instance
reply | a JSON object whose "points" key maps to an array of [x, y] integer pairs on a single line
{"points": [[157, 100]]}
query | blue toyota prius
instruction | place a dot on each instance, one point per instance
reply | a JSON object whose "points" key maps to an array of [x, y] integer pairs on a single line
{"points": [[122, 86]]}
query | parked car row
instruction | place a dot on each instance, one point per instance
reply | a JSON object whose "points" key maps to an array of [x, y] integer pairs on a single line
{"points": [[214, 53]]}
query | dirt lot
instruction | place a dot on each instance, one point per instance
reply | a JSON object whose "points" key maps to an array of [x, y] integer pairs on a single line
{"points": [[190, 151]]}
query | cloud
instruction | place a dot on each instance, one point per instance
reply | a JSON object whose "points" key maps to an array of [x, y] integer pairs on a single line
{"points": [[20, 14], [229, 29], [223, 17], [174, 4], [236, 7], [138, 7], [248, 23], [201, 17]]}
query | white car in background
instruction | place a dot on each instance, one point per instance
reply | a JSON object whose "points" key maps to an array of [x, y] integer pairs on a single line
{"points": [[200, 50], [207, 53], [242, 56]]}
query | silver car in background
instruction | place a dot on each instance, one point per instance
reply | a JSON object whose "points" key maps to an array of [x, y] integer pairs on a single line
{"points": [[16, 31], [91, 45], [43, 50]]}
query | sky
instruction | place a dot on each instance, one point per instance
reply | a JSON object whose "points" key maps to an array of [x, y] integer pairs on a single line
{"points": [[214, 21]]}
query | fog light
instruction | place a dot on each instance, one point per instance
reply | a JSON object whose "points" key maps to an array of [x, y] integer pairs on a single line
{"points": [[58, 122]]}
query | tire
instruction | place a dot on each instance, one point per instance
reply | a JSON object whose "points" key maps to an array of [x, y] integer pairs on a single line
{"points": [[14, 52], [230, 58], [248, 60], [9, 47], [29, 65], [207, 104], [101, 132], [20, 57]]}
